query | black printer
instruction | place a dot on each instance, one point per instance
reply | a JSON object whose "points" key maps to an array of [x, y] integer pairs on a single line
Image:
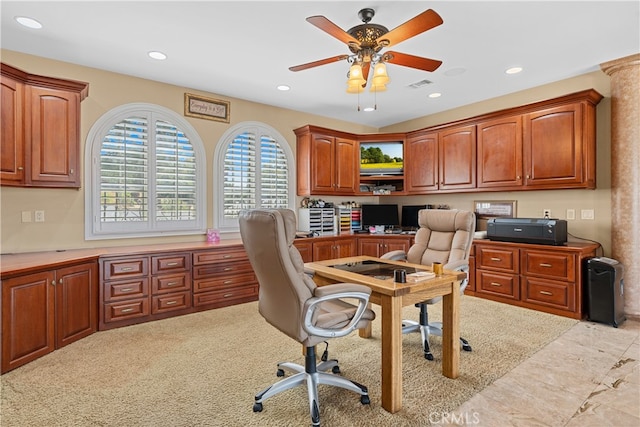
{"points": [[543, 231]]}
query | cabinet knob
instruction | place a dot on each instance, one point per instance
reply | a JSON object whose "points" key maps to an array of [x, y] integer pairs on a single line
{"points": [[60, 282], [53, 282], [518, 177], [20, 168], [528, 177]]}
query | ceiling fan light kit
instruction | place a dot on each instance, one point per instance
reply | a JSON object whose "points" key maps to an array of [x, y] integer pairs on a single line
{"points": [[365, 41]]}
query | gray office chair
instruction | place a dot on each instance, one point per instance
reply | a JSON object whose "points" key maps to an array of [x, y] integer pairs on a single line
{"points": [[444, 236], [291, 302]]}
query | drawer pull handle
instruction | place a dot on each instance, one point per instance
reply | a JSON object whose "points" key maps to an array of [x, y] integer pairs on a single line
{"points": [[227, 282], [496, 259], [546, 293], [544, 264], [171, 264], [495, 284], [227, 256], [229, 269], [127, 268], [227, 295], [127, 310], [171, 302], [172, 283], [126, 290]]}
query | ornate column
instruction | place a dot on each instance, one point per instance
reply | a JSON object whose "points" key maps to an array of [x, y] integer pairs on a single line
{"points": [[625, 174]]}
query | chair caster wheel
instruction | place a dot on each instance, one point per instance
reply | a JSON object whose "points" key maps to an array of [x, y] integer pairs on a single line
{"points": [[466, 347], [280, 373], [257, 407], [364, 399], [428, 356], [335, 369]]}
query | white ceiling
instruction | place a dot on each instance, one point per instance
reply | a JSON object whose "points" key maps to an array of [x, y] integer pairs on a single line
{"points": [[243, 49]]}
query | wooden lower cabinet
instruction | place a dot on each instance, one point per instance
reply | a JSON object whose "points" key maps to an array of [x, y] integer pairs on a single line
{"points": [[47, 310], [331, 249], [377, 246], [540, 277], [222, 277]]}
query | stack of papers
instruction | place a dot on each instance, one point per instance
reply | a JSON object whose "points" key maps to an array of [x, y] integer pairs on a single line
{"points": [[420, 276]]}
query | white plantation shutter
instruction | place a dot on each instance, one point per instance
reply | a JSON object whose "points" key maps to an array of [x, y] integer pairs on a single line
{"points": [[147, 174], [254, 172]]}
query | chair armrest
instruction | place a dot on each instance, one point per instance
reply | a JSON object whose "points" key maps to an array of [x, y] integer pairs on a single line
{"points": [[326, 295], [398, 255], [328, 290], [462, 265]]}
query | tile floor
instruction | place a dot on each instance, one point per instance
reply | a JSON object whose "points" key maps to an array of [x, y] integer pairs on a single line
{"points": [[589, 376]]}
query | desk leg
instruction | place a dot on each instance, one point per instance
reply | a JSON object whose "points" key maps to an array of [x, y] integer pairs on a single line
{"points": [[451, 332], [366, 331], [391, 324]]}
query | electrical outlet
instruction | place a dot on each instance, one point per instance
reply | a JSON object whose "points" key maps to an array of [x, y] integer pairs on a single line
{"points": [[587, 214], [26, 216], [571, 214], [39, 216], [546, 213]]}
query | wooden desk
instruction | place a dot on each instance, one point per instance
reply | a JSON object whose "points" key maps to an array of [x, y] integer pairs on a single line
{"points": [[392, 297]]}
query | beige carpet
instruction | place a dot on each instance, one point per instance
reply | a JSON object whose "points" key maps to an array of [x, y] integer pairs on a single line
{"points": [[203, 370]]}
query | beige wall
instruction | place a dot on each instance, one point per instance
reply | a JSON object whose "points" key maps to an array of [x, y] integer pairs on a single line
{"points": [[64, 208]]}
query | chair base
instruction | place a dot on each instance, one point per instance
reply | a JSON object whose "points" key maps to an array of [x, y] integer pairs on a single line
{"points": [[312, 375], [426, 329]]}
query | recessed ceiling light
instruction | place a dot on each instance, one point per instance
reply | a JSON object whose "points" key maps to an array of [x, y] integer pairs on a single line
{"points": [[28, 22], [435, 95], [367, 109], [283, 87], [513, 70], [157, 55]]}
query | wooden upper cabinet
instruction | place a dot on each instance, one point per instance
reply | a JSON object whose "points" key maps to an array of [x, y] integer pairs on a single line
{"points": [[457, 158], [12, 130], [40, 130], [500, 153], [421, 163], [327, 163], [553, 147]]}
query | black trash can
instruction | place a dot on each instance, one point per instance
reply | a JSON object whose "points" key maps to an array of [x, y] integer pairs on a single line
{"points": [[605, 290]]}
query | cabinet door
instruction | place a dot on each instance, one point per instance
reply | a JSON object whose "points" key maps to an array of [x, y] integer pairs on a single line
{"points": [[305, 249], [421, 163], [323, 250], [457, 158], [389, 245], [346, 166], [54, 137], [344, 248], [322, 164], [76, 303], [370, 247], [500, 153], [12, 131], [553, 147], [28, 316]]}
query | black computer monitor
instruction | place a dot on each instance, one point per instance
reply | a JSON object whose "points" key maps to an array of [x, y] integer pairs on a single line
{"points": [[386, 215], [410, 216]]}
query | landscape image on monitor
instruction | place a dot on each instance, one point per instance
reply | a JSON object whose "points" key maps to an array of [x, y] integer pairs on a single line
{"points": [[381, 158]]}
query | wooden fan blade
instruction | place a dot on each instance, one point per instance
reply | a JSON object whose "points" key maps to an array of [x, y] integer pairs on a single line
{"points": [[365, 73], [318, 63], [412, 61], [332, 29], [414, 26]]}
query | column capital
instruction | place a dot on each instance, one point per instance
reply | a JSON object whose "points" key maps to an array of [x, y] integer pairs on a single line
{"points": [[616, 65]]}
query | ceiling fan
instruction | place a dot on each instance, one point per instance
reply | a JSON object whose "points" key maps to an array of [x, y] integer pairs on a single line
{"points": [[367, 40]]}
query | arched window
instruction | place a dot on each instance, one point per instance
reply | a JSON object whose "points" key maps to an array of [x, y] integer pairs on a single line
{"points": [[253, 169], [145, 175]]}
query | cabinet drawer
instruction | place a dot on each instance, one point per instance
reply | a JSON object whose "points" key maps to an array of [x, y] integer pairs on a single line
{"points": [[551, 265], [226, 297], [124, 310], [126, 289], [503, 285], [549, 293], [210, 284], [171, 283], [502, 259], [223, 268], [120, 268], [170, 302], [170, 263], [207, 257]]}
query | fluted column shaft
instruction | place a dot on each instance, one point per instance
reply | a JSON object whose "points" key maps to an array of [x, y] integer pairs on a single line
{"points": [[625, 174]]}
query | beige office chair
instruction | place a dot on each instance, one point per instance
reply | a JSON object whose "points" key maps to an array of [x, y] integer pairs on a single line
{"points": [[291, 302], [444, 236]]}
